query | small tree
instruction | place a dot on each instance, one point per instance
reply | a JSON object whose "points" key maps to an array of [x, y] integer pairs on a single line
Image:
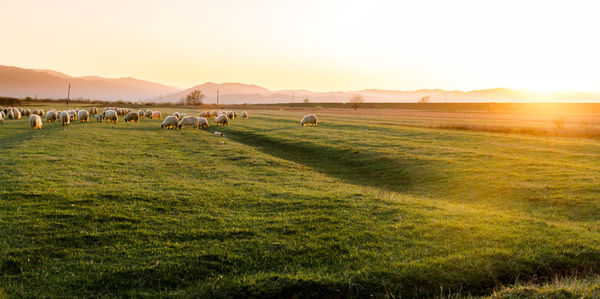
{"points": [[194, 98], [356, 100], [425, 99], [306, 101]]}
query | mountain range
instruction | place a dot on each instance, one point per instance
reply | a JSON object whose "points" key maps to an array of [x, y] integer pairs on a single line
{"points": [[20, 82]]}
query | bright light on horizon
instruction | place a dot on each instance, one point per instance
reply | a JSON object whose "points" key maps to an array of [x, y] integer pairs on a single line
{"points": [[542, 46]]}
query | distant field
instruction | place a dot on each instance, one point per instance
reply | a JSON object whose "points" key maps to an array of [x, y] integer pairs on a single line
{"points": [[382, 202]]}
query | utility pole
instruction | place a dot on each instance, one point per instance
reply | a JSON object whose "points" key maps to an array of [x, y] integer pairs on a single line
{"points": [[69, 94]]}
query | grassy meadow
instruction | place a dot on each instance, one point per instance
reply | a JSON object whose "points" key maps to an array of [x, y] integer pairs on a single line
{"points": [[374, 202]]}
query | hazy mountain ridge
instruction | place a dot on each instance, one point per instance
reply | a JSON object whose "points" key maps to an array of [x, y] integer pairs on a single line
{"points": [[19, 82]]}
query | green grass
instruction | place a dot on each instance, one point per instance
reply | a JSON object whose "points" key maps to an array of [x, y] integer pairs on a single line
{"points": [[358, 206]]}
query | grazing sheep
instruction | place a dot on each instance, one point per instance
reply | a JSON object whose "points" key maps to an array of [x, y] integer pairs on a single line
{"points": [[176, 114], [156, 115], [83, 116], [27, 112], [42, 113], [214, 114], [22, 110], [98, 117], [107, 109], [205, 114], [132, 116], [231, 115], [1, 117], [50, 116], [244, 115], [16, 114], [111, 116], [72, 115], [222, 120], [93, 111], [170, 122], [188, 121], [36, 111], [203, 122], [309, 120], [10, 114], [149, 113], [64, 118], [35, 121], [141, 113]]}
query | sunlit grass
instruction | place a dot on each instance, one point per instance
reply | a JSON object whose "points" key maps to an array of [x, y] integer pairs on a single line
{"points": [[354, 207]]}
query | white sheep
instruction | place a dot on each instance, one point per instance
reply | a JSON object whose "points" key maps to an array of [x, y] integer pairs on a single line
{"points": [[111, 116], [1, 116], [310, 119], [149, 113], [83, 116], [176, 114], [64, 118], [141, 113], [156, 115], [188, 121], [244, 115], [99, 118], [10, 114], [222, 120], [93, 111], [35, 121], [72, 115], [202, 122], [132, 116], [50, 116], [170, 122], [214, 114], [16, 113], [231, 115]]}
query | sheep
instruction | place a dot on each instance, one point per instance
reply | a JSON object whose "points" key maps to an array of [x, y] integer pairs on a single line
{"points": [[93, 111], [22, 110], [170, 122], [27, 112], [156, 115], [205, 114], [36, 111], [188, 121], [98, 117], [244, 115], [309, 119], [140, 113], [83, 116], [16, 113], [214, 114], [1, 116], [35, 121], [203, 122], [231, 115], [176, 114], [132, 116], [222, 120], [72, 115], [64, 118], [107, 109], [111, 116], [50, 116], [149, 113], [10, 114]]}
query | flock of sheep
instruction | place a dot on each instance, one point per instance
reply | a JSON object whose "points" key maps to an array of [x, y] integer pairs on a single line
{"points": [[111, 114]]}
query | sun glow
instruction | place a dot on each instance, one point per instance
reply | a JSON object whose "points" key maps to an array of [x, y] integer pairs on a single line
{"points": [[319, 45]]}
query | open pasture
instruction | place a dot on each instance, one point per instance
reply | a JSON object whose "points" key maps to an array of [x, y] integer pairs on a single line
{"points": [[383, 203]]}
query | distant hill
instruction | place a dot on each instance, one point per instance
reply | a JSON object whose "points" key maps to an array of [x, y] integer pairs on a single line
{"points": [[18, 82]]}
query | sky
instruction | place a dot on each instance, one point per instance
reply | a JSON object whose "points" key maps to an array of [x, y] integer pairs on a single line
{"points": [[315, 45]]}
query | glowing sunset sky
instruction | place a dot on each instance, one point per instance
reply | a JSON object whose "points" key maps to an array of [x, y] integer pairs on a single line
{"points": [[316, 45]]}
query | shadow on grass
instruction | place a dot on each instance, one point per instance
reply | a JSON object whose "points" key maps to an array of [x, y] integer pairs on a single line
{"points": [[359, 167]]}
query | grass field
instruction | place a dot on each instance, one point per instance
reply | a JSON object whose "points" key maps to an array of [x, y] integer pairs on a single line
{"points": [[377, 202]]}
